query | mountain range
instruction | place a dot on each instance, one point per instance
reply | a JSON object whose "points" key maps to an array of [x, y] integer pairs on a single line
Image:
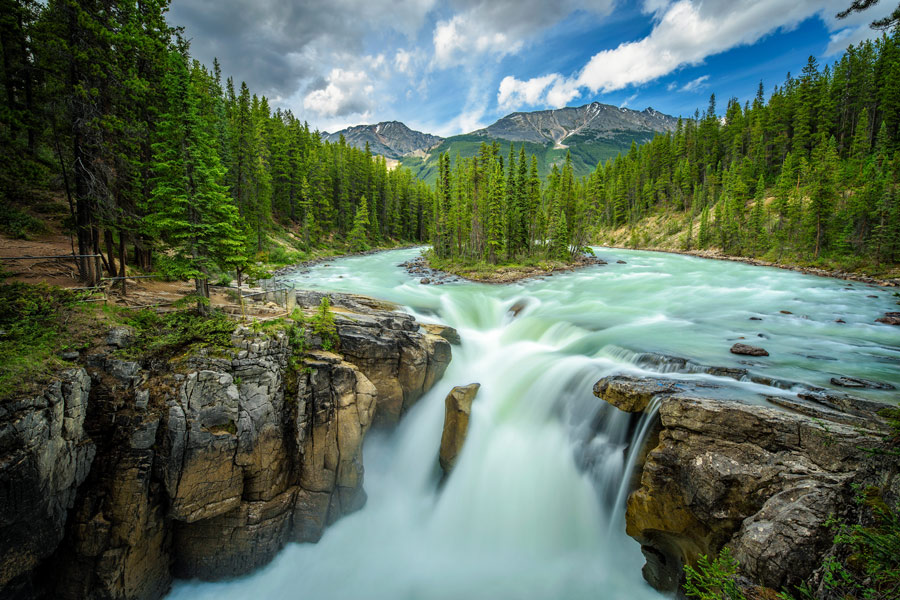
{"points": [[591, 133]]}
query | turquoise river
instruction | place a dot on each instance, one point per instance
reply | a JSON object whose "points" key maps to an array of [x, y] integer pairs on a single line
{"points": [[534, 507]]}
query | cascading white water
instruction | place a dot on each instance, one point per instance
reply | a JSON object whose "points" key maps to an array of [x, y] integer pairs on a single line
{"points": [[534, 506]]}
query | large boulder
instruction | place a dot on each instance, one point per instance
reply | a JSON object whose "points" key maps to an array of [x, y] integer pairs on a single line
{"points": [[760, 479], [389, 348], [457, 408]]}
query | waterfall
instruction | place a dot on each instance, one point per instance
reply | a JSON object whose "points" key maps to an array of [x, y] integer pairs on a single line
{"points": [[534, 508]]}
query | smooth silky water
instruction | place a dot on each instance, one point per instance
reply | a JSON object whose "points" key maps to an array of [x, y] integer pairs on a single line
{"points": [[534, 508]]}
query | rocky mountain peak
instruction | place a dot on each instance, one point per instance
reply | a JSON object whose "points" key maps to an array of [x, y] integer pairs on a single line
{"points": [[391, 139]]}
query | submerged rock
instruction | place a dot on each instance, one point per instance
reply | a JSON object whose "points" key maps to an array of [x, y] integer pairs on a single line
{"points": [[748, 350], [889, 318], [457, 408], [856, 382]]}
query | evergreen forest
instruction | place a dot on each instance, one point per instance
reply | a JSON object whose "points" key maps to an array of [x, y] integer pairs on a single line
{"points": [[162, 163], [169, 167]]}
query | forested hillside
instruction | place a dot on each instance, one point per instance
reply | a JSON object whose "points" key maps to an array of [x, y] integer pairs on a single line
{"points": [[165, 165], [811, 174]]}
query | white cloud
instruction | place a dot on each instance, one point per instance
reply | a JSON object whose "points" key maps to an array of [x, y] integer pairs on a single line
{"points": [[501, 27], [464, 35], [514, 93], [554, 90], [685, 33], [465, 122], [695, 84], [628, 100], [651, 7], [346, 92], [402, 61]]}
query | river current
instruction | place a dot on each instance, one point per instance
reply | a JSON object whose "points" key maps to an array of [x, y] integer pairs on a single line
{"points": [[534, 507]]}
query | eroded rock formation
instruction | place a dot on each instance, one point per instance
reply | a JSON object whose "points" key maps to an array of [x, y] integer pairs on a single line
{"points": [[457, 408], [125, 474], [760, 479]]}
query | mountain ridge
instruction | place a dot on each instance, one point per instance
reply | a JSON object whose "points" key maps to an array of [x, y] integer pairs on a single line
{"points": [[593, 132], [595, 120], [392, 139]]}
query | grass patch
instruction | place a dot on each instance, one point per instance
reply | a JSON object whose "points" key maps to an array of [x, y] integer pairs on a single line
{"points": [[182, 331], [37, 323]]}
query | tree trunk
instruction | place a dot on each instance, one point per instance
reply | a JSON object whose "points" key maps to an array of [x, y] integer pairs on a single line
{"points": [[123, 255], [110, 252]]}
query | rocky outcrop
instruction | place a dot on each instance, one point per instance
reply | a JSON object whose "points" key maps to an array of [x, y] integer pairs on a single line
{"points": [[45, 455], [457, 408], [206, 466], [756, 478], [401, 358]]}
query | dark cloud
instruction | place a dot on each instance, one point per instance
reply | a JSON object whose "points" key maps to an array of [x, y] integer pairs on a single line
{"points": [[273, 45]]}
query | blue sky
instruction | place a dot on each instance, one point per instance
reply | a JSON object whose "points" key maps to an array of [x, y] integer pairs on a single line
{"points": [[453, 67]]}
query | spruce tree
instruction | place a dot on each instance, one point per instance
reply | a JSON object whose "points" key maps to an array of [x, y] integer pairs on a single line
{"points": [[358, 238], [189, 209]]}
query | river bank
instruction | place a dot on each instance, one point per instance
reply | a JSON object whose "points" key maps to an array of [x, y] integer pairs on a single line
{"points": [[819, 272]]}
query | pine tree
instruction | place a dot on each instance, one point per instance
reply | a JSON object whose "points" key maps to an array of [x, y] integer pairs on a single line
{"points": [[189, 209], [358, 238], [757, 219]]}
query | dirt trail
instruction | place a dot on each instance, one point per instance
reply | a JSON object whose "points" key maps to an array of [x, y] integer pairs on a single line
{"points": [[141, 293]]}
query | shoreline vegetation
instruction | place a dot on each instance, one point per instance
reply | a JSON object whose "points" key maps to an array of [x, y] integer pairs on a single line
{"points": [[480, 271], [715, 254]]}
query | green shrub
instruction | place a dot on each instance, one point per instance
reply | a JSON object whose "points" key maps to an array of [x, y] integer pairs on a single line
{"points": [[323, 325], [177, 331], [33, 319], [713, 580], [17, 223]]}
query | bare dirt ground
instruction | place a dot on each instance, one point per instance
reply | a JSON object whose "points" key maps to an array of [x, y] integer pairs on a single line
{"points": [[140, 293]]}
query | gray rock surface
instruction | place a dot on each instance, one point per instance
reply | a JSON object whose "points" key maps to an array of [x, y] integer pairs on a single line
{"points": [[247, 446], [760, 479], [45, 455]]}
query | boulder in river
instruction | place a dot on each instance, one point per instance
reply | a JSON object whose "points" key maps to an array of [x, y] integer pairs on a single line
{"points": [[889, 318], [748, 350], [457, 407], [444, 331], [424, 281]]}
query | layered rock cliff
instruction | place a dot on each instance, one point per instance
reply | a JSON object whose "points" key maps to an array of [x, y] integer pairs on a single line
{"points": [[757, 478], [127, 473]]}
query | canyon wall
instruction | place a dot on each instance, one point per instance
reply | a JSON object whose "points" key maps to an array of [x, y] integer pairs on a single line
{"points": [[126, 473]]}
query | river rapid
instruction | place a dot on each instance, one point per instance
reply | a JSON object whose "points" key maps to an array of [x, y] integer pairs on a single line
{"points": [[534, 507]]}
